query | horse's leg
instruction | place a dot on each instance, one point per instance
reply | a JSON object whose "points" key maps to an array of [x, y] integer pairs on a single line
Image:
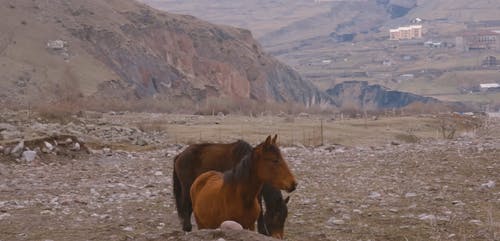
{"points": [[252, 227], [187, 209], [180, 195]]}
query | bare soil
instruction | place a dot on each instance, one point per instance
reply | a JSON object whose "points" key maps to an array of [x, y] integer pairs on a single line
{"points": [[433, 189]]}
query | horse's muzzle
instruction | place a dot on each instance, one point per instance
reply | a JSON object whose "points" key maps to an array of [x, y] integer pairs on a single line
{"points": [[292, 188]]}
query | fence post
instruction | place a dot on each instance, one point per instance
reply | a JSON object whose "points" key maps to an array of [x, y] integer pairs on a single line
{"points": [[322, 140]]}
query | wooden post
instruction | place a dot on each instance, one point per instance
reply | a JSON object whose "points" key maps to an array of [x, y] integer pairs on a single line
{"points": [[303, 137], [322, 137]]}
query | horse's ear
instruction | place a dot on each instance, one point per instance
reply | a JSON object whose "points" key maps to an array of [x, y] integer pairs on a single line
{"points": [[268, 141], [274, 138], [287, 199]]}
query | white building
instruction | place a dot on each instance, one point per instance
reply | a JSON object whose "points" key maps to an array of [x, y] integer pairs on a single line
{"points": [[407, 32]]}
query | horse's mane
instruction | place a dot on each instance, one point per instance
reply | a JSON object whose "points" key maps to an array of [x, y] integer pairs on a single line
{"points": [[241, 148], [240, 171]]}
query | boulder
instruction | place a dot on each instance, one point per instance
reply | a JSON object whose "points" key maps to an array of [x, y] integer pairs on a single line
{"points": [[29, 156], [231, 225]]}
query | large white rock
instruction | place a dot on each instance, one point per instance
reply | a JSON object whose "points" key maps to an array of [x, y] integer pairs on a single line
{"points": [[231, 225]]}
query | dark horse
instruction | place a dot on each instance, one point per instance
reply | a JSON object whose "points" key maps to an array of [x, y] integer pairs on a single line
{"points": [[200, 158], [233, 195]]}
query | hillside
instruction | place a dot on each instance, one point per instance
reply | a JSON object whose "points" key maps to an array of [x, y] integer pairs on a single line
{"points": [[123, 50], [372, 97], [329, 42]]}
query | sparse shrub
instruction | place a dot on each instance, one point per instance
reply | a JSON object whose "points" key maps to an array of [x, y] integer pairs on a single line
{"points": [[425, 108], [350, 112], [408, 137], [57, 112], [447, 130], [154, 126]]}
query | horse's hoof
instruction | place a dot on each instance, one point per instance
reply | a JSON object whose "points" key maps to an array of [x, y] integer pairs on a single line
{"points": [[187, 228]]}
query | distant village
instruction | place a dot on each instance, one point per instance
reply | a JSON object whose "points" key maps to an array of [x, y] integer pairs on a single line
{"points": [[470, 40]]}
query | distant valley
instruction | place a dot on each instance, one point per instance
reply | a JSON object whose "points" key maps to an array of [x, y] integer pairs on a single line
{"points": [[329, 42]]}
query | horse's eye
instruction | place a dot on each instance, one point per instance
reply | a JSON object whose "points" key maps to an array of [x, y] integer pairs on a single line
{"points": [[276, 160]]}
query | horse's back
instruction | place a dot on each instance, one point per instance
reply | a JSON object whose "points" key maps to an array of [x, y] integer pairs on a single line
{"points": [[200, 158]]}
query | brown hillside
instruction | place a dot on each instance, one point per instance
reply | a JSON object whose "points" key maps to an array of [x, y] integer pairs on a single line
{"points": [[135, 52]]}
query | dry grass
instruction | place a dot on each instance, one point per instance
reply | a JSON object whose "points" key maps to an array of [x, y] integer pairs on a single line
{"points": [[60, 113], [296, 130]]}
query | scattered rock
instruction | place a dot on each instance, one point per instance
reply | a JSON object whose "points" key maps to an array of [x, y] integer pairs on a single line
{"points": [[410, 194], [10, 135], [9, 132], [374, 195], [303, 114], [18, 148], [29, 156], [476, 222], [357, 211], [140, 142], [106, 151], [47, 212], [489, 184], [6, 150], [128, 229], [393, 210], [334, 221], [4, 216], [48, 146], [427, 217], [6, 126], [56, 44], [76, 147]]}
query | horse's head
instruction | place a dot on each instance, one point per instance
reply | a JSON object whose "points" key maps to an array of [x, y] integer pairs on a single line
{"points": [[275, 217], [271, 167]]}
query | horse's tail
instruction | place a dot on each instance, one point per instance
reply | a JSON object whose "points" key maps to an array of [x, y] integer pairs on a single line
{"points": [[177, 190]]}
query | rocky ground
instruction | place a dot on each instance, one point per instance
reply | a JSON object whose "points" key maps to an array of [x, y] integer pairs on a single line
{"points": [[116, 185]]}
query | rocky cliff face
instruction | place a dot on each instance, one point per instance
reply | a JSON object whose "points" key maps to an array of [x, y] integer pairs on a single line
{"points": [[127, 50], [359, 94]]}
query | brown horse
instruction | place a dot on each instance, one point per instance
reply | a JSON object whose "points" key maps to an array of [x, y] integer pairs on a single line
{"points": [[199, 158], [233, 195], [273, 222]]}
